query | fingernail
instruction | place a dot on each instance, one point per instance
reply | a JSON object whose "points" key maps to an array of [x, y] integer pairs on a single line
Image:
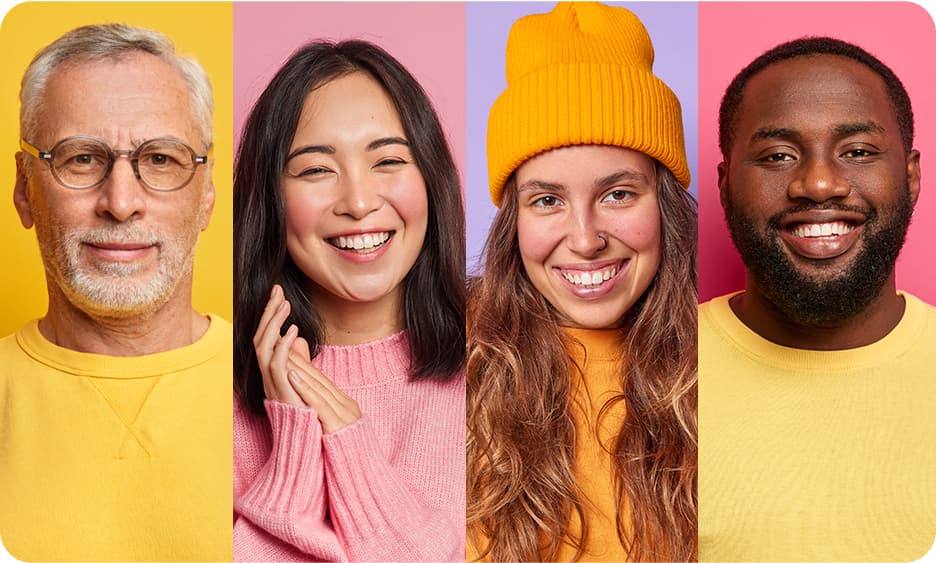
{"points": [[293, 376], [273, 291], [293, 329]]}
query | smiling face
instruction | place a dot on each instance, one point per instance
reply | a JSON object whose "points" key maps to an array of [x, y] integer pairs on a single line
{"points": [[818, 188], [117, 249], [588, 228], [356, 206]]}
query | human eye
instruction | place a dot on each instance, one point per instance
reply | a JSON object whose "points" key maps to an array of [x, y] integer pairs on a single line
{"points": [[310, 172], [619, 195], [390, 162], [777, 157], [860, 153], [545, 202], [79, 157]]}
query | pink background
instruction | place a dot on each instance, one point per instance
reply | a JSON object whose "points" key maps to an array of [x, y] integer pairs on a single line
{"points": [[428, 38], [731, 35]]}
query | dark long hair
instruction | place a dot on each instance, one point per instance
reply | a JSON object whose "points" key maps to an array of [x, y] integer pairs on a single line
{"points": [[434, 289], [522, 492]]}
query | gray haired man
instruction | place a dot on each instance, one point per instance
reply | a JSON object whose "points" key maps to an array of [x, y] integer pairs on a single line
{"points": [[115, 407]]}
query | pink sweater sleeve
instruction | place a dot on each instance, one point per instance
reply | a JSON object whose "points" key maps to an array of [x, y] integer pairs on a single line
{"points": [[340, 502], [377, 517], [286, 501]]}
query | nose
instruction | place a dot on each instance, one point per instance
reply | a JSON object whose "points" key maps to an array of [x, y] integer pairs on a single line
{"points": [[819, 180], [584, 235], [121, 195], [359, 196]]}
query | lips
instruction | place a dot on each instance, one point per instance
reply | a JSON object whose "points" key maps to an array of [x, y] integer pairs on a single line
{"points": [[591, 280], [120, 251], [822, 234]]}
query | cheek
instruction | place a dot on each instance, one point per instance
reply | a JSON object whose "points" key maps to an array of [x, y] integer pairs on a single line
{"points": [[640, 231], [304, 212], [536, 237], [411, 202]]}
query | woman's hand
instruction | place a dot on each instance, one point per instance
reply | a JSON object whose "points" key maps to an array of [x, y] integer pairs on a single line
{"points": [[273, 350], [335, 409]]}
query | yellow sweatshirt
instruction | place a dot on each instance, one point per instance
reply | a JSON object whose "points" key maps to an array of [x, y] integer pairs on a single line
{"points": [[809, 455], [116, 458]]}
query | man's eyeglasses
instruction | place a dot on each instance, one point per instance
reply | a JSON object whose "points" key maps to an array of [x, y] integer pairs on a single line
{"points": [[81, 163]]}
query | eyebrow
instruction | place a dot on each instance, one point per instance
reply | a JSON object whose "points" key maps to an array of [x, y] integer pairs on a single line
{"points": [[318, 149], [772, 133], [374, 145], [859, 127], [622, 176], [626, 176]]}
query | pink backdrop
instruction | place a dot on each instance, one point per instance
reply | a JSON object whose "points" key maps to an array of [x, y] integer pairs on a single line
{"points": [[731, 35], [428, 38]]}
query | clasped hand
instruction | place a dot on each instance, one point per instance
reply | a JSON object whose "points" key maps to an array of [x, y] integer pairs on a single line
{"points": [[288, 374]]}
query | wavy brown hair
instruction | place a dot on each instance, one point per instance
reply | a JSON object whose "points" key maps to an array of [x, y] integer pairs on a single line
{"points": [[522, 492]]}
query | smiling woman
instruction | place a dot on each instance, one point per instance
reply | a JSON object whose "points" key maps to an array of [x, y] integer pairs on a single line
{"points": [[582, 341], [349, 438]]}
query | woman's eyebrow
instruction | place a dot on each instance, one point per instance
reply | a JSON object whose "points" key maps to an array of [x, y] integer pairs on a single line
{"points": [[374, 145], [623, 176], [540, 185], [320, 149]]}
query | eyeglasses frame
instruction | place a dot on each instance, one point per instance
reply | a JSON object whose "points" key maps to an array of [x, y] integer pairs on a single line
{"points": [[113, 155]]}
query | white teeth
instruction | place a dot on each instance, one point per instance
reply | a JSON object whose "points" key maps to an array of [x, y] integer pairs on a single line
{"points": [[589, 279], [835, 228], [368, 241]]}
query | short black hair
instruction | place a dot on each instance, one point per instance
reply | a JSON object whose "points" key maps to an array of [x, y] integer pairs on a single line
{"points": [[807, 46]]}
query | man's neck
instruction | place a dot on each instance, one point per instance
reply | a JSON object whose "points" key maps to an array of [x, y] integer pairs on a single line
{"points": [[173, 325], [873, 323]]}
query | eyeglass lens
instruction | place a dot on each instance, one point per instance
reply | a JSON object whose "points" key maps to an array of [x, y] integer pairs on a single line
{"points": [[161, 163]]}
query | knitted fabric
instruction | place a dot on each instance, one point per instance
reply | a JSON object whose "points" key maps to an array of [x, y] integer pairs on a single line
{"points": [[582, 75], [389, 487]]}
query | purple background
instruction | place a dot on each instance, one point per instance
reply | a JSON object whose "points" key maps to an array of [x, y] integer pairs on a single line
{"points": [[673, 28]]}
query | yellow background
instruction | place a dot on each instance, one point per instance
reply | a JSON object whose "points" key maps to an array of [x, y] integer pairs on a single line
{"points": [[203, 30]]}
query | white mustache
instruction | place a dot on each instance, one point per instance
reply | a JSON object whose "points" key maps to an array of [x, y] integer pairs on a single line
{"points": [[119, 235]]}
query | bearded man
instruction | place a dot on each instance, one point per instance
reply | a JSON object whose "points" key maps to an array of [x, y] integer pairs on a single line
{"points": [[115, 429], [817, 392]]}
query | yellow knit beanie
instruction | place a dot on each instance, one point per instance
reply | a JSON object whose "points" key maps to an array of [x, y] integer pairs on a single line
{"points": [[582, 75]]}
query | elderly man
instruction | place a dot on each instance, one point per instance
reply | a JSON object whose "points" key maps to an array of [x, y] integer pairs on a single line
{"points": [[115, 406], [817, 383]]}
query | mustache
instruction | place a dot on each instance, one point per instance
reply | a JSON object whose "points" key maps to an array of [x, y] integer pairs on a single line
{"points": [[775, 220], [118, 234]]}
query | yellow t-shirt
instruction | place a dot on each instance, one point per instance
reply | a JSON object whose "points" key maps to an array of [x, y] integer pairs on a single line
{"points": [[809, 455], [116, 458]]}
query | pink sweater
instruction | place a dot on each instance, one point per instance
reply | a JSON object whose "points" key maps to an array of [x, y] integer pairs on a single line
{"points": [[390, 487]]}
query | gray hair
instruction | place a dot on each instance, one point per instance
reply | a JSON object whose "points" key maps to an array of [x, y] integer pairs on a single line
{"points": [[111, 42]]}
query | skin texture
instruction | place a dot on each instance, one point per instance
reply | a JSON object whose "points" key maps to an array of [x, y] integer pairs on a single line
{"points": [[118, 257], [348, 187], [589, 208], [817, 141], [350, 173]]}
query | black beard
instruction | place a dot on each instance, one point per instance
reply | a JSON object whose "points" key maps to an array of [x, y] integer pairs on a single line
{"points": [[823, 302]]}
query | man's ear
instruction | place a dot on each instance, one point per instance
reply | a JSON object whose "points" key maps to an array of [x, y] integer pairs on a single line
{"points": [[207, 204], [723, 182], [21, 191], [913, 175]]}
